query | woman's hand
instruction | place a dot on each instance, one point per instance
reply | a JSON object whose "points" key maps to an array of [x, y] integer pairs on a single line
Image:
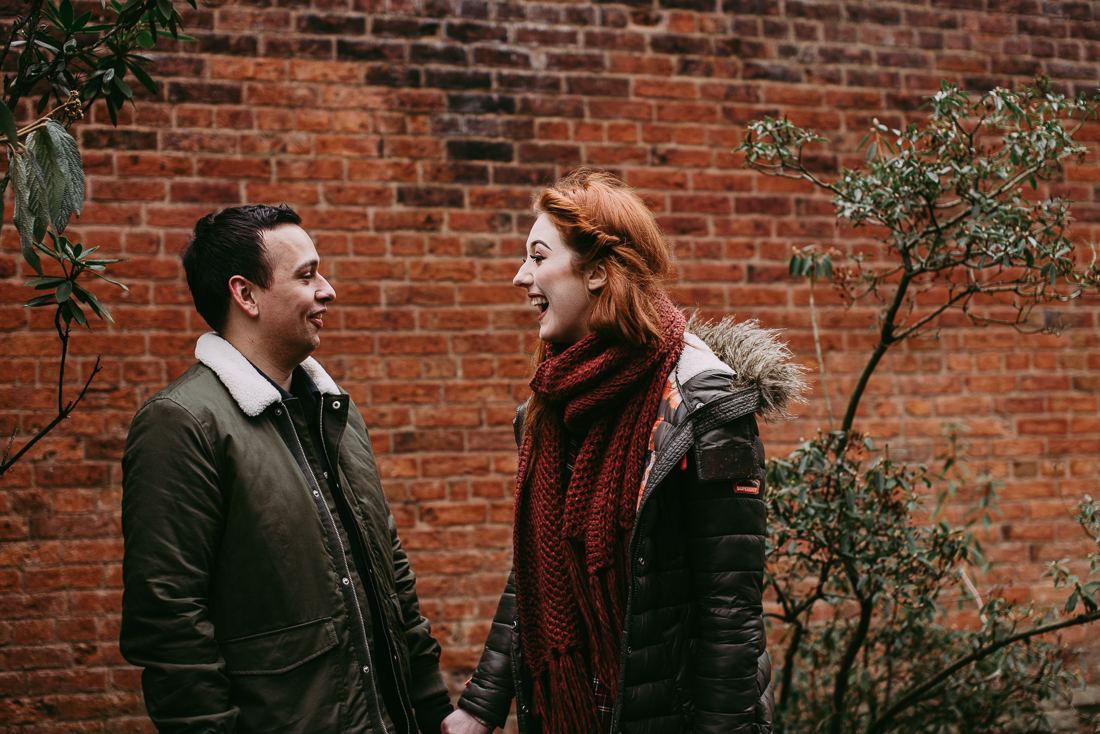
{"points": [[461, 722]]}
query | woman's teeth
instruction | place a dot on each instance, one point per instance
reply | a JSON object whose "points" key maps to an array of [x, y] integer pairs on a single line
{"points": [[540, 303]]}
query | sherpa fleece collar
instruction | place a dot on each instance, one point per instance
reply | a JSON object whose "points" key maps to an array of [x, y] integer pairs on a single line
{"points": [[244, 382]]}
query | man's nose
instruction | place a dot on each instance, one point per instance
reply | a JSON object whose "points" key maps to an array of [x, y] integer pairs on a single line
{"points": [[326, 292]]}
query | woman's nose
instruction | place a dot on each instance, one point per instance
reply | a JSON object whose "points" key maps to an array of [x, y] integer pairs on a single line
{"points": [[523, 277]]}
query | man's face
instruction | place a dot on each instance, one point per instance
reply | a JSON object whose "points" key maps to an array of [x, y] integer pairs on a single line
{"points": [[292, 308]]}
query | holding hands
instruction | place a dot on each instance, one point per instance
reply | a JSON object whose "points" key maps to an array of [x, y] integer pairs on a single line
{"points": [[461, 722]]}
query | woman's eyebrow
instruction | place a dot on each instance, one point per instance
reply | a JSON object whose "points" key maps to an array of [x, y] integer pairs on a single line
{"points": [[532, 243]]}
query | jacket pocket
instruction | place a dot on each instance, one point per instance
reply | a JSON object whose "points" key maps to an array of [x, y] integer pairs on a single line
{"points": [[287, 680], [275, 652]]}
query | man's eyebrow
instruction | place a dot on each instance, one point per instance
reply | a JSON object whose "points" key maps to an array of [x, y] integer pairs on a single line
{"points": [[308, 264]]}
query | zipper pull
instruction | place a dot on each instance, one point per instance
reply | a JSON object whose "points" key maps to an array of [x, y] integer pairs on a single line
{"points": [[684, 463]]}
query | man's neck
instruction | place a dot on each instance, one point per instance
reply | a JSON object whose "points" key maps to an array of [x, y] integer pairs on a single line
{"points": [[278, 370]]}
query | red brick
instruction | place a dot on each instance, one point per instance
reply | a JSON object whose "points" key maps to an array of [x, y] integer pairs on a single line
{"points": [[428, 335]]}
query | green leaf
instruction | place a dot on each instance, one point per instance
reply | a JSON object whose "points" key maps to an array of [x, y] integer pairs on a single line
{"points": [[143, 77], [122, 86], [65, 14], [89, 298], [39, 283], [795, 266], [112, 282], [30, 200], [54, 171], [39, 301], [63, 291], [50, 11], [38, 198], [68, 157], [8, 126], [75, 311]]}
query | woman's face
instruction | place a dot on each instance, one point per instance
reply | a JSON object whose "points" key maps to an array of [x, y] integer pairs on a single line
{"points": [[556, 286]]}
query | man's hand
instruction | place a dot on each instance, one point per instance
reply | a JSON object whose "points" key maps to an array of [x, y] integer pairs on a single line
{"points": [[461, 722]]}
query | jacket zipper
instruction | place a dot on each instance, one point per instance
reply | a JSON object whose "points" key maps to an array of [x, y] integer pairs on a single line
{"points": [[654, 480], [380, 726], [335, 468]]}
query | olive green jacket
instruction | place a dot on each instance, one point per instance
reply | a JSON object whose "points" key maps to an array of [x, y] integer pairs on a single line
{"points": [[241, 601]]}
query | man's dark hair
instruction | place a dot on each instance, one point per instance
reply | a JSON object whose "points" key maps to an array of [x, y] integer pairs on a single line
{"points": [[227, 244]]}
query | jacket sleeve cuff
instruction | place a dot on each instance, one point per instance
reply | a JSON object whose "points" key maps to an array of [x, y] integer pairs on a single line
{"points": [[427, 683], [431, 712]]}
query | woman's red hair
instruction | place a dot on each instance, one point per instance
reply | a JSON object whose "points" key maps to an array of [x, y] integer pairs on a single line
{"points": [[602, 220]]}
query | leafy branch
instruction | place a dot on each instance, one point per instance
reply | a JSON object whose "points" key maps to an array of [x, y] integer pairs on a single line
{"points": [[946, 200], [76, 62]]}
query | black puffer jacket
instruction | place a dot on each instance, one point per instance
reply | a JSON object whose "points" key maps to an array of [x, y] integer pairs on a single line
{"points": [[693, 657]]}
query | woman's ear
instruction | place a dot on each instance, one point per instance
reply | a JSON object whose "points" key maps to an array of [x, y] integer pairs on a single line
{"points": [[242, 293], [597, 276]]}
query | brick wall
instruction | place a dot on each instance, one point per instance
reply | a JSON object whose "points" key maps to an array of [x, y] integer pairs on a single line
{"points": [[411, 136]]}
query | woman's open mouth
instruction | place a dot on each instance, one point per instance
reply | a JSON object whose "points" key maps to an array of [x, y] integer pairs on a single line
{"points": [[541, 304]]}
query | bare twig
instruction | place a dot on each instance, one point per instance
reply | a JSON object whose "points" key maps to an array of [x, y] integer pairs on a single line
{"points": [[886, 340], [820, 359], [973, 591], [8, 463]]}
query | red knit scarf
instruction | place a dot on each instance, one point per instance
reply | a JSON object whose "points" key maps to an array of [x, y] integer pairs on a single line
{"points": [[571, 542]]}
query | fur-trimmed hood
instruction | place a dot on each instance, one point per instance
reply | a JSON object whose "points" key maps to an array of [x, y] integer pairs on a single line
{"points": [[757, 356], [244, 382]]}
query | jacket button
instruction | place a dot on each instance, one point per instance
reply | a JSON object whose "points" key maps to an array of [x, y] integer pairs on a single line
{"points": [[278, 411], [336, 404], [366, 668], [515, 623], [326, 474], [629, 649], [345, 581], [316, 493], [641, 561]]}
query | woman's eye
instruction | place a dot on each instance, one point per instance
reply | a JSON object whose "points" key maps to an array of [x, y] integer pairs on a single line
{"points": [[537, 258]]}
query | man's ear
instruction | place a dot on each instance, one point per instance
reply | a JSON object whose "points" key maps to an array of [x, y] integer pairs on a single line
{"points": [[242, 291], [597, 276]]}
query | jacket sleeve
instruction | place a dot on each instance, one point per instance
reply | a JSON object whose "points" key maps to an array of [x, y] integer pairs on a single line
{"points": [[725, 521], [172, 524], [427, 688], [490, 691]]}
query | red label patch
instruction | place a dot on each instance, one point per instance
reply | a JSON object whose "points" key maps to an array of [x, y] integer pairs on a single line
{"points": [[753, 488]]}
